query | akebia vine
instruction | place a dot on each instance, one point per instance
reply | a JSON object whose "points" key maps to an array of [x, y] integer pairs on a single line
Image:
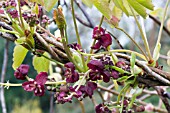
{"points": [[24, 22]]}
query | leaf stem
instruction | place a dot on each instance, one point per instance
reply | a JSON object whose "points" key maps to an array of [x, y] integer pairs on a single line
{"points": [[133, 42], [20, 14], [142, 35], [115, 50], [77, 34], [162, 25]]}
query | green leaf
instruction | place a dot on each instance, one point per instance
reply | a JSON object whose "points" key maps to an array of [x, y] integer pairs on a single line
{"points": [[156, 52], [103, 7], [30, 41], [119, 4], [18, 56], [117, 12], [122, 79], [138, 8], [49, 4], [88, 3], [41, 64], [146, 3], [132, 60]]}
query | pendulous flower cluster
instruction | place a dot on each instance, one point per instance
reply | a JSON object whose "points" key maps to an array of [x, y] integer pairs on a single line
{"points": [[103, 39]]}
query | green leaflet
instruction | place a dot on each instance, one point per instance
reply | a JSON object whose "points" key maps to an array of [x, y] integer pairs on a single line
{"points": [[132, 60], [103, 7], [88, 3], [156, 52], [119, 4], [117, 12], [47, 4], [138, 8], [18, 56], [146, 3], [41, 64]]}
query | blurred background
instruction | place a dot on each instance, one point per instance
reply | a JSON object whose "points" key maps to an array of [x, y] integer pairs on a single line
{"points": [[19, 101]]}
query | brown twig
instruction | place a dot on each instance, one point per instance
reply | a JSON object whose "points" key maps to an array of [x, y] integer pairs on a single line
{"points": [[160, 92], [49, 49], [155, 109], [4, 68], [159, 23], [82, 106]]}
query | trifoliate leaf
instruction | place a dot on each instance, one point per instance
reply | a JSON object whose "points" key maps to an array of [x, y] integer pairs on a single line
{"points": [[18, 56], [41, 64]]}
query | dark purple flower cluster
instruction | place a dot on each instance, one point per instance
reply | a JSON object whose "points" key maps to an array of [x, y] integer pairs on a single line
{"points": [[37, 85], [65, 94], [101, 69], [10, 3], [21, 72], [70, 73], [76, 46], [31, 19], [13, 13], [103, 39], [45, 20], [101, 108]]}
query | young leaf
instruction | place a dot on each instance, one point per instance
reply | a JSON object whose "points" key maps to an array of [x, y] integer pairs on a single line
{"points": [[88, 3], [119, 4], [49, 4], [168, 61], [103, 7], [156, 52], [41, 64], [138, 8], [146, 3], [132, 60], [18, 56]]}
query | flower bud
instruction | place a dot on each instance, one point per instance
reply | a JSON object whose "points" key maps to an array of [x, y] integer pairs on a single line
{"points": [[59, 17], [21, 71]]}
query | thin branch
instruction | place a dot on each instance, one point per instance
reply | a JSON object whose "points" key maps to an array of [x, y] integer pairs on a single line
{"points": [[85, 13], [48, 47], [160, 92], [4, 68], [51, 102], [146, 69], [155, 109], [82, 106], [159, 23]]}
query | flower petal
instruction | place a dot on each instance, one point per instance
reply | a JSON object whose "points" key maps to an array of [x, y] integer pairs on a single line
{"points": [[29, 85], [41, 78], [106, 40]]}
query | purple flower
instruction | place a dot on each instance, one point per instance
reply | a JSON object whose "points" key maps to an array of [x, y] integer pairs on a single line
{"points": [[21, 71], [97, 68], [36, 85], [102, 109], [76, 46], [1, 11], [70, 73], [13, 13], [103, 39]]}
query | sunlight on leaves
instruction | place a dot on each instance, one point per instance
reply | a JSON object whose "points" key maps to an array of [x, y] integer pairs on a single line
{"points": [[41, 64], [18, 56]]}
